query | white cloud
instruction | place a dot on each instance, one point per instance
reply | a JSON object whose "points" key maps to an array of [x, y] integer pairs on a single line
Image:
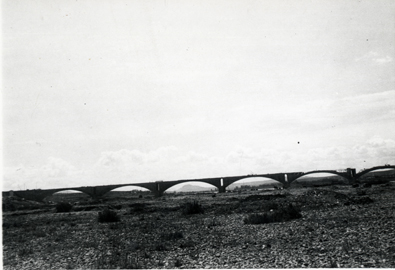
{"points": [[363, 109], [133, 165], [384, 60], [375, 57], [381, 149], [56, 168], [169, 163], [116, 160], [55, 173]]}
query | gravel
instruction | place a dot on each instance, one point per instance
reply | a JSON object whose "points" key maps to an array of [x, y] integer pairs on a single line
{"points": [[338, 228]]}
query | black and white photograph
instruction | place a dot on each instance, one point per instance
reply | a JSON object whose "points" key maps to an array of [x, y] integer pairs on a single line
{"points": [[198, 134]]}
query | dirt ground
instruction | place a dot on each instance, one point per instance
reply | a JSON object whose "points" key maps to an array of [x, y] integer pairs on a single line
{"points": [[340, 226]]}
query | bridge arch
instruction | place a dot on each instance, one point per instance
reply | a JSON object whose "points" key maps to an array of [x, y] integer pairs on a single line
{"points": [[255, 181], [100, 191], [39, 195], [203, 184], [279, 177], [164, 186], [366, 171], [327, 173], [129, 187], [75, 192], [324, 171]]}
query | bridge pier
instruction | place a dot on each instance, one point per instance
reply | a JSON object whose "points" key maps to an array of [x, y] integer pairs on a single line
{"points": [[221, 189], [351, 172], [282, 178], [91, 191], [158, 193], [159, 189]]}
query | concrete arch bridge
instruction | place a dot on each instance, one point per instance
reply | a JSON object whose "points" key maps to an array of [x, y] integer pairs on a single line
{"points": [[221, 183]]}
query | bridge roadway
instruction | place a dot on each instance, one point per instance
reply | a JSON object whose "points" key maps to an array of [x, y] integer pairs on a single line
{"points": [[159, 187]]}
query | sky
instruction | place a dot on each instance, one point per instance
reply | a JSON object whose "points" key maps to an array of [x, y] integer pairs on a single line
{"points": [[99, 92]]}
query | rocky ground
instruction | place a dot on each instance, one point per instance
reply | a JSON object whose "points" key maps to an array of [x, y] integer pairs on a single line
{"points": [[341, 226]]}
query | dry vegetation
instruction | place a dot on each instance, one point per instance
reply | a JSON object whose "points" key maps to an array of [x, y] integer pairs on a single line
{"points": [[338, 226]]}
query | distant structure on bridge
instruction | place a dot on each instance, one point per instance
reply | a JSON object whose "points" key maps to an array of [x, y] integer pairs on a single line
{"points": [[221, 183]]}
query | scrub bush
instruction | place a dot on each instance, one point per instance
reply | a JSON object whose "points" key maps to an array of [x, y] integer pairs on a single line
{"points": [[108, 215], [191, 208], [63, 207], [279, 215]]}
